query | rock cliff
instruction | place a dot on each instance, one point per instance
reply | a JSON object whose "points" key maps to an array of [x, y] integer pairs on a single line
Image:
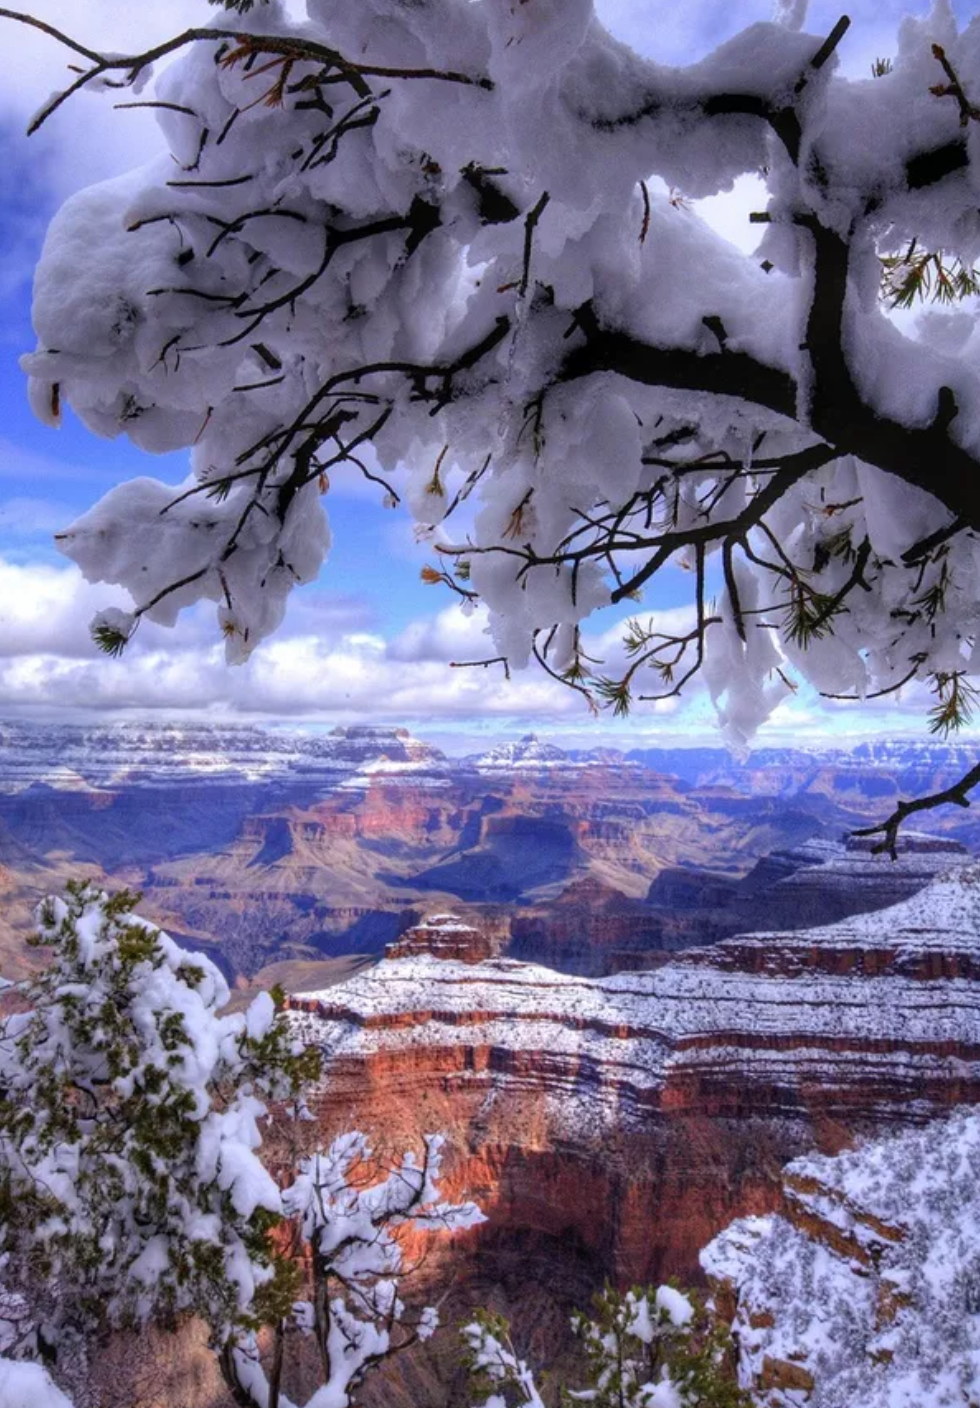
{"points": [[274, 846], [615, 1125], [446, 937], [798, 887], [864, 1290]]}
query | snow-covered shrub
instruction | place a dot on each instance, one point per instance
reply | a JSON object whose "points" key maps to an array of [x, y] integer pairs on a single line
{"points": [[350, 1215], [131, 1187], [865, 1288], [130, 1182], [645, 1349]]}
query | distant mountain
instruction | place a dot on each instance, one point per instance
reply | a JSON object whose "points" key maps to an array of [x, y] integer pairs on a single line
{"points": [[266, 846], [528, 754], [77, 758]]}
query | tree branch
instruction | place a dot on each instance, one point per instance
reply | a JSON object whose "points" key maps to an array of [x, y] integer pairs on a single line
{"points": [[889, 829]]}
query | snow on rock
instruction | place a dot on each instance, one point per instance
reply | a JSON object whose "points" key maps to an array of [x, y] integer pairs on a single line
{"points": [[874, 1009], [77, 758], [446, 937], [590, 1105], [527, 755], [865, 1290]]}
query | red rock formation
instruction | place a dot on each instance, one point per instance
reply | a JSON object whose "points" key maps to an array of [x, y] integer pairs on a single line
{"points": [[444, 936], [622, 1122]]}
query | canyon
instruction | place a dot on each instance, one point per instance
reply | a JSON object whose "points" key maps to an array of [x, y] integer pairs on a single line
{"points": [[629, 989], [269, 848], [612, 1127]]}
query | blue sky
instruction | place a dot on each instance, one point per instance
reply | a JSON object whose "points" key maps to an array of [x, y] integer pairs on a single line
{"points": [[369, 640]]}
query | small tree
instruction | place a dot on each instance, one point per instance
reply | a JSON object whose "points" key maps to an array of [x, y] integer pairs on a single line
{"points": [[131, 1187], [645, 1349], [129, 1128], [349, 1216]]}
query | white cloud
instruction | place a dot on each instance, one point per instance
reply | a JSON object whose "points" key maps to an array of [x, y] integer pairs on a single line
{"points": [[18, 462], [45, 610], [298, 677], [327, 661], [330, 663], [448, 636]]}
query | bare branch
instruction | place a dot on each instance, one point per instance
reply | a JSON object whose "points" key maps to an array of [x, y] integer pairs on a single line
{"points": [[955, 795]]}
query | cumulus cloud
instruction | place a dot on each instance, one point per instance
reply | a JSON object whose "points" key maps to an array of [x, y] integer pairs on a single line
{"points": [[332, 662], [450, 635], [328, 661], [297, 677]]}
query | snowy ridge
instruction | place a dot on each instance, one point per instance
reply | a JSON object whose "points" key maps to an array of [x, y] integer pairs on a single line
{"points": [[870, 1034], [76, 757], [866, 1292], [71, 758], [942, 918], [529, 754]]}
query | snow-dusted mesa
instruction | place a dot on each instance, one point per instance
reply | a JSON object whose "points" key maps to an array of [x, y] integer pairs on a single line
{"points": [[446, 937], [595, 1104], [529, 754], [82, 758], [450, 247], [865, 1290]]}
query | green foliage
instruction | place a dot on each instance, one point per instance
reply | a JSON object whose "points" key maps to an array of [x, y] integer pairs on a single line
{"points": [[956, 702], [614, 692], [639, 1346], [632, 1343], [129, 1185], [109, 639], [808, 615], [919, 274]]}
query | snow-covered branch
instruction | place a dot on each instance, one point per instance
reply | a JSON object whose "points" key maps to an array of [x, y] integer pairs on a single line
{"points": [[351, 1217], [427, 245]]}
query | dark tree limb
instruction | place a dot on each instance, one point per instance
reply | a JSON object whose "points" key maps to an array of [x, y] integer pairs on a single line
{"points": [[295, 48], [955, 795]]}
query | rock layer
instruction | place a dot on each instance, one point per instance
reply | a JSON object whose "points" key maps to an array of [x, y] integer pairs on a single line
{"points": [[625, 1120]]}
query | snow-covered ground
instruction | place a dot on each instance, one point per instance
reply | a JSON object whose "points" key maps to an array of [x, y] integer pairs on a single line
{"points": [[870, 1287]]}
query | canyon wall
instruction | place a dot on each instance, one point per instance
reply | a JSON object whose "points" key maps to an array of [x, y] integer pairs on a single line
{"points": [[864, 1291], [613, 1126]]}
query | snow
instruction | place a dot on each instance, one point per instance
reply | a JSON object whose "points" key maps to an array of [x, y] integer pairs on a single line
{"points": [[892, 1325], [122, 1011], [675, 1306], [25, 1385], [792, 1023], [107, 757], [349, 1214], [407, 279]]}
